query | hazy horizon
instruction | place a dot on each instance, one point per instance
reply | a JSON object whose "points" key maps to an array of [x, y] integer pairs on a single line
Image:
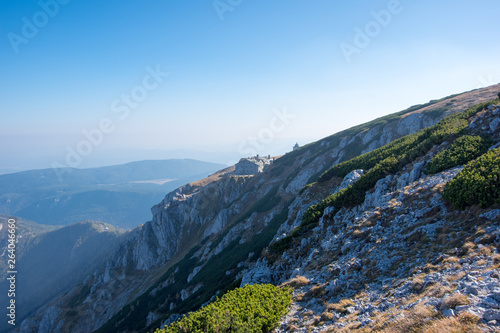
{"points": [[116, 82]]}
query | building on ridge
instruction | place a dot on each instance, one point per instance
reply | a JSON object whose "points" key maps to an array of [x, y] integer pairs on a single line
{"points": [[252, 165]]}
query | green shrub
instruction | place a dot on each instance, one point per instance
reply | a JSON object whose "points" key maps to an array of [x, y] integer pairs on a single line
{"points": [[463, 150], [253, 308], [477, 183], [380, 162]]}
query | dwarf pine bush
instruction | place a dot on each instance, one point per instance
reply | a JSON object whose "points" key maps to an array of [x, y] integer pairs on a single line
{"points": [[478, 183], [253, 308], [463, 150]]}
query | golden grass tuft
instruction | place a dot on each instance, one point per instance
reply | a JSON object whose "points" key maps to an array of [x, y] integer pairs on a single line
{"points": [[452, 324], [296, 282], [327, 316], [437, 290], [412, 321], [453, 300], [455, 277], [340, 307], [453, 260], [482, 262], [316, 291], [418, 284]]}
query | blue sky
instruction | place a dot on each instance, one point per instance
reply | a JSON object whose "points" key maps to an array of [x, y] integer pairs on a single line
{"points": [[233, 66]]}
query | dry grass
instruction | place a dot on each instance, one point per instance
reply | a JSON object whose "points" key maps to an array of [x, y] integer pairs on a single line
{"points": [[358, 234], [453, 260], [482, 262], [300, 297], [412, 321], [460, 324], [340, 307], [496, 258], [430, 268], [484, 251], [454, 300], [421, 319], [469, 246], [214, 177], [296, 282], [308, 313], [455, 277], [327, 316], [316, 291], [418, 284], [437, 290]]}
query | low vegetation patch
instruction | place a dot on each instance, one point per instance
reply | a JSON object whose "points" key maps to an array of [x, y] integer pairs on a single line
{"points": [[381, 162], [453, 300], [462, 151], [253, 308], [423, 319], [477, 183]]}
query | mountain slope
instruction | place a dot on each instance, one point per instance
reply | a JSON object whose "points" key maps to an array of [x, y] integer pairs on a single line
{"points": [[25, 231], [57, 260], [404, 252], [206, 236], [120, 194]]}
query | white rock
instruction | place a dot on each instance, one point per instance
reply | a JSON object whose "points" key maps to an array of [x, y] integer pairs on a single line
{"points": [[351, 178], [448, 313], [494, 124]]}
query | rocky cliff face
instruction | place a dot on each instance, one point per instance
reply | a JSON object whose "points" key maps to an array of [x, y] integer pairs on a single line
{"points": [[147, 248], [206, 236]]}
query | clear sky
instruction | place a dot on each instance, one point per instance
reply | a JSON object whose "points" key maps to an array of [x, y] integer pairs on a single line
{"points": [[244, 76]]}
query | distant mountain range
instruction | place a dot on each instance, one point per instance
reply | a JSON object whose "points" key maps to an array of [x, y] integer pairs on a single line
{"points": [[120, 195]]}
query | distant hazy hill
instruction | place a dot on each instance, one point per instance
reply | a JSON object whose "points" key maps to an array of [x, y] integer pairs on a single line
{"points": [[120, 195], [57, 260], [25, 232]]}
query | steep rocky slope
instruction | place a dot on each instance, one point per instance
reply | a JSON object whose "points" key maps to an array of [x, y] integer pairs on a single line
{"points": [[212, 235], [404, 253]]}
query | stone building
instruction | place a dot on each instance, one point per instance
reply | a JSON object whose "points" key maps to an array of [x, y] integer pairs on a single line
{"points": [[252, 165]]}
